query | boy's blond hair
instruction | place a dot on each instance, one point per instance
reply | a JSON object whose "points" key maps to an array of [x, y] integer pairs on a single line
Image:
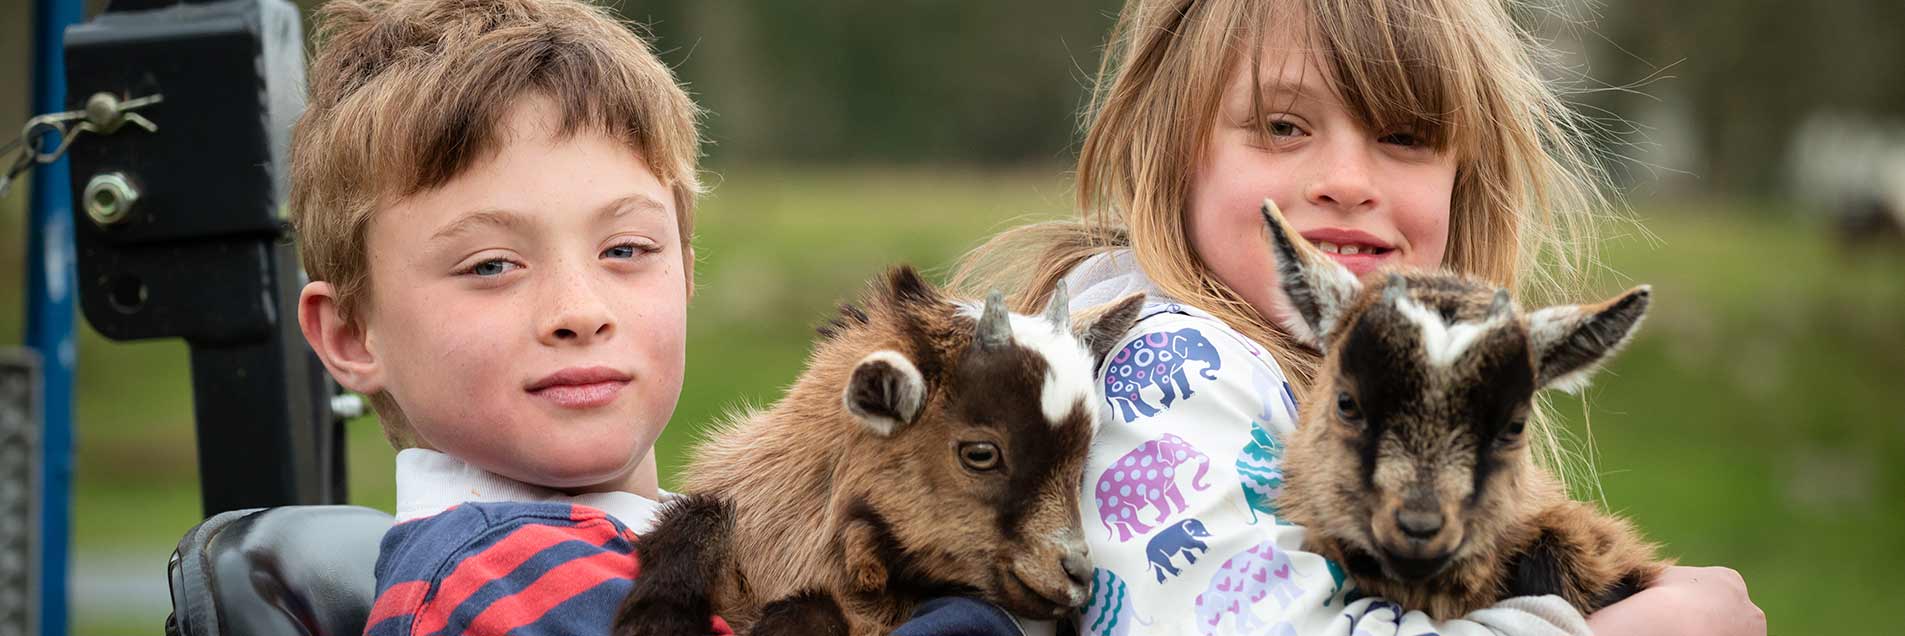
{"points": [[407, 94], [1459, 73]]}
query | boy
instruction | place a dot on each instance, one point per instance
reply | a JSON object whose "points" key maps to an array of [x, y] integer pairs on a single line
{"points": [[493, 199]]}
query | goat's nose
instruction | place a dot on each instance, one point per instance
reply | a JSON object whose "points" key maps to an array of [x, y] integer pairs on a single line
{"points": [[1077, 566], [1419, 524]]}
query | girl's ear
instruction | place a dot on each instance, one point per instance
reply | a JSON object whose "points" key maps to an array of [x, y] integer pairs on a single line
{"points": [[1569, 342], [343, 346], [1318, 290]]}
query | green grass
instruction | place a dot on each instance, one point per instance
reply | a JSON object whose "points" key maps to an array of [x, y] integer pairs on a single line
{"points": [[1757, 422]]}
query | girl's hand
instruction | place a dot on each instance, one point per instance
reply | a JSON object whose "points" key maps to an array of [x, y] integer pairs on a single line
{"points": [[1686, 600]]}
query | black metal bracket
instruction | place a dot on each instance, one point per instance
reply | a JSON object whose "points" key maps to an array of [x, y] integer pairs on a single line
{"points": [[180, 232]]}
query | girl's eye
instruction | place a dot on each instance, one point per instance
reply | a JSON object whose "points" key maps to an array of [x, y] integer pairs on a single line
{"points": [[1347, 409], [491, 268], [1404, 138], [1281, 128], [980, 456]]}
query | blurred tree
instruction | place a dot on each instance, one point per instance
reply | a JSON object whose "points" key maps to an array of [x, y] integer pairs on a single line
{"points": [[1751, 70]]}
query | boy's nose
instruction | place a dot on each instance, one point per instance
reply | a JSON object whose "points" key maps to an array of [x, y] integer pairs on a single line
{"points": [[578, 316]]}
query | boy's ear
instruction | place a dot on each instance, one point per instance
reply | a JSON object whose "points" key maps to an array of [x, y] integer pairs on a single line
{"points": [[342, 346], [885, 391], [1318, 290], [1100, 327], [1569, 342]]}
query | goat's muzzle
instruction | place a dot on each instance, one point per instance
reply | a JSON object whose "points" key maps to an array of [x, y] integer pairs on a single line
{"points": [[1415, 540], [1038, 589]]}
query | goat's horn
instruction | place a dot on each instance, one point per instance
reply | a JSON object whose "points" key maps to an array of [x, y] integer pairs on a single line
{"points": [[994, 329], [1500, 306], [1394, 288], [1059, 311]]}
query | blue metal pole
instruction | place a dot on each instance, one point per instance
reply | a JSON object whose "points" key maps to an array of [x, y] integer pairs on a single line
{"points": [[51, 288]]}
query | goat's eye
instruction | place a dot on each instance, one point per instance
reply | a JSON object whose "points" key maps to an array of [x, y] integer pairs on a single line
{"points": [[979, 455], [1511, 432], [1347, 409]]}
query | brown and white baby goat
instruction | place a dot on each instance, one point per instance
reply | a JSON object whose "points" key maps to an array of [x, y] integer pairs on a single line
{"points": [[1410, 461], [931, 448]]}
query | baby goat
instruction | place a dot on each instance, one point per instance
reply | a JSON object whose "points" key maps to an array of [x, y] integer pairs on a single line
{"points": [[1410, 462], [931, 448]]}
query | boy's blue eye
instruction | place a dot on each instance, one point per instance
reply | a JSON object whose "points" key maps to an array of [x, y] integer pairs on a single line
{"points": [[628, 250], [492, 267]]}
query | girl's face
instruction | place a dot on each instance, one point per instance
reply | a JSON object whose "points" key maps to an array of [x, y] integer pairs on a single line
{"points": [[1370, 198]]}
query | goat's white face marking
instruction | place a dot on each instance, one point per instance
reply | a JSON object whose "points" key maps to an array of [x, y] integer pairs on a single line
{"points": [[1068, 366], [912, 392], [1443, 343]]}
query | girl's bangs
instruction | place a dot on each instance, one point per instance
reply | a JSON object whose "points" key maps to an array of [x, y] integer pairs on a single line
{"points": [[1396, 66]]}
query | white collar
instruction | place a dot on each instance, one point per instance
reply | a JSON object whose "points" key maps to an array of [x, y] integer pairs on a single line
{"points": [[1110, 275], [429, 482]]}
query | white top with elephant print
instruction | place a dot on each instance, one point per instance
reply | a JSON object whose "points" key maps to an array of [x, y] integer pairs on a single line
{"points": [[1180, 500]]}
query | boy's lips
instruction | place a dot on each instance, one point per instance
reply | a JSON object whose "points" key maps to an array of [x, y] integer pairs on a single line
{"points": [[580, 387]]}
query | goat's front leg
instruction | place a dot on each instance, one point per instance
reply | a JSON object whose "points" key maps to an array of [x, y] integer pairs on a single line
{"points": [[1588, 558], [812, 613], [680, 561]]}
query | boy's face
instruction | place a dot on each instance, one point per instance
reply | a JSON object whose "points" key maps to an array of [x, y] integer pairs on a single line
{"points": [[530, 315]]}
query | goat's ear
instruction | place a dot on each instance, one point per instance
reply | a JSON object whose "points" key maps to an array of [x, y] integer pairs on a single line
{"points": [[1569, 342], [1318, 290], [904, 286], [1100, 327], [885, 391]]}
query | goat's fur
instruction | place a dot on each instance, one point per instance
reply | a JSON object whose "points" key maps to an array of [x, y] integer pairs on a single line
{"points": [[932, 447], [1410, 463]]}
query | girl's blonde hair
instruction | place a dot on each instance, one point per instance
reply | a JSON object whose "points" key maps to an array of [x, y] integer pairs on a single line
{"points": [[1460, 73]]}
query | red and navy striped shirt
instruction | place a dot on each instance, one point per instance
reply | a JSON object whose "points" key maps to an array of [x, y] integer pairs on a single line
{"points": [[524, 569]]}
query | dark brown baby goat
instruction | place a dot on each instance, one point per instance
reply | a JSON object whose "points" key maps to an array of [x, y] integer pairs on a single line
{"points": [[931, 448], [1410, 463]]}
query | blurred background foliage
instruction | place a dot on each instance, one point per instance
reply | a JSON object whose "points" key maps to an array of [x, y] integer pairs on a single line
{"points": [[1757, 422]]}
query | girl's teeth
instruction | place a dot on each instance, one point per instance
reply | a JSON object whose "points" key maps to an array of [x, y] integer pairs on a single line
{"points": [[1327, 247], [1351, 250]]}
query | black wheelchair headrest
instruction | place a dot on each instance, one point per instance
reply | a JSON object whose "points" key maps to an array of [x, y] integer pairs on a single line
{"points": [[304, 570]]}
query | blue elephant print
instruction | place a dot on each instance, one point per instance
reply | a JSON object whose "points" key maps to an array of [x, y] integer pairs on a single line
{"points": [[1109, 613], [1260, 470], [1178, 540], [1157, 360]]}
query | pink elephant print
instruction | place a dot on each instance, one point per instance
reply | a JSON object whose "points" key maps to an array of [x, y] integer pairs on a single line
{"points": [[1109, 613], [1146, 477], [1260, 572], [1157, 360]]}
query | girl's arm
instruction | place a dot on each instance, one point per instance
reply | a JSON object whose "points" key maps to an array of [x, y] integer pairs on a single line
{"points": [[1686, 600]]}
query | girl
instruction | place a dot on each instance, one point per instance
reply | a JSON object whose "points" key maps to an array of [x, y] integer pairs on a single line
{"points": [[1390, 132]]}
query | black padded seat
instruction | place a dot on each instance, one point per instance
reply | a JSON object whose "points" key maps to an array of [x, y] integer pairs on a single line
{"points": [[292, 570]]}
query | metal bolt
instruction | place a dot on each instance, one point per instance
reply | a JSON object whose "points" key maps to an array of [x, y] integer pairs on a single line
{"points": [[109, 198]]}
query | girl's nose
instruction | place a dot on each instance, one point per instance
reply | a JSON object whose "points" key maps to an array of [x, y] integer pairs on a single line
{"points": [[1342, 179]]}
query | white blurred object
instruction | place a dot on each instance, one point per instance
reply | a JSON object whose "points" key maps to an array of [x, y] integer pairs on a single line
{"points": [[1851, 168]]}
